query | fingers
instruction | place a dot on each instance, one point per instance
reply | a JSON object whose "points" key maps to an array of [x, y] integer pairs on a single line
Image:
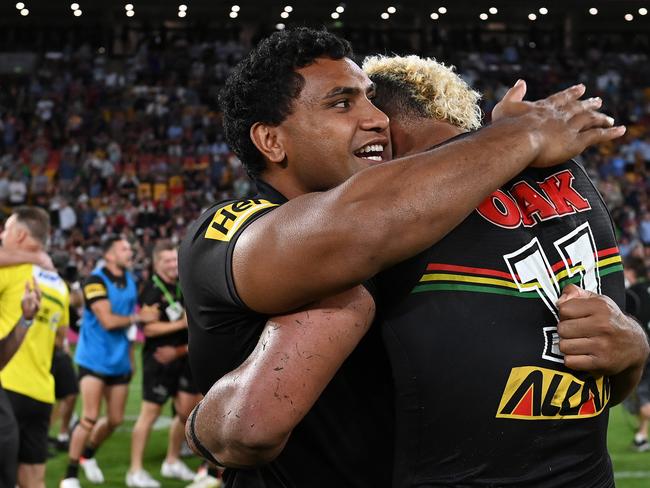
{"points": [[590, 120], [572, 291], [590, 137], [580, 346], [575, 328], [582, 362], [36, 289], [560, 99], [516, 93]]}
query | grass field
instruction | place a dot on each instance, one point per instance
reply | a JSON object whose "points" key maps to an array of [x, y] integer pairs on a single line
{"points": [[632, 468]]}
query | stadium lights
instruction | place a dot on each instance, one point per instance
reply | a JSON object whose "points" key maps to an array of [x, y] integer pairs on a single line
{"points": [[288, 8], [284, 15], [20, 6], [24, 12], [532, 16], [442, 10], [128, 6], [493, 10], [543, 10], [593, 11], [74, 6], [182, 8], [629, 17], [233, 15], [280, 26], [77, 13], [643, 11], [340, 9], [235, 8], [385, 15], [434, 16], [335, 15], [391, 10], [130, 13]]}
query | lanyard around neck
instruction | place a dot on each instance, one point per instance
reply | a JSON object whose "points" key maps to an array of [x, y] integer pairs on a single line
{"points": [[158, 283]]}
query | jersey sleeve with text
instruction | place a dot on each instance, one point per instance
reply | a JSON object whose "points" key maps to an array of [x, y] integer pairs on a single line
{"points": [[94, 289], [222, 330]]}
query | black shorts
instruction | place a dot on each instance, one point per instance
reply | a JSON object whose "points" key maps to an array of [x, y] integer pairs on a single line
{"points": [[162, 381], [33, 419], [108, 380], [65, 377], [8, 442]]}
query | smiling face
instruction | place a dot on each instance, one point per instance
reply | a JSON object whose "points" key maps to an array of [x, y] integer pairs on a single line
{"points": [[334, 129], [166, 265]]}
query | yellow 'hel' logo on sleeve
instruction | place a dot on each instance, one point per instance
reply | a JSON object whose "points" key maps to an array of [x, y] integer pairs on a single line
{"points": [[94, 290], [228, 219]]}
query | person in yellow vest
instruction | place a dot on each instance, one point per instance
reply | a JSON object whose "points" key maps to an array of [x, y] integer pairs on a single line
{"points": [[9, 344], [26, 378]]}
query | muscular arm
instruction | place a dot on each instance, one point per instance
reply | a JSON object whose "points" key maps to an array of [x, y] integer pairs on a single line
{"points": [[319, 244], [247, 416], [17, 256]]}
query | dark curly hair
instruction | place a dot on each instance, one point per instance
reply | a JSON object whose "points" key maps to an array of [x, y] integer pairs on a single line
{"points": [[263, 86]]}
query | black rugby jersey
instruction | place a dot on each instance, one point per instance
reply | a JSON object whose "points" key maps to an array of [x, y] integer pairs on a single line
{"points": [[346, 438], [482, 395]]}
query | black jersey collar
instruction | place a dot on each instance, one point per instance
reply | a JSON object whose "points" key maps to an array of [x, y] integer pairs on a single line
{"points": [[266, 191]]}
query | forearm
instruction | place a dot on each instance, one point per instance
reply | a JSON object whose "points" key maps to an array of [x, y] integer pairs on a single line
{"points": [[379, 217], [111, 321], [158, 328], [248, 415], [11, 343], [624, 383], [16, 256]]}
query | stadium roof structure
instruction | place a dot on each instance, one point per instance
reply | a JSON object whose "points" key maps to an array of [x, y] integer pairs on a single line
{"points": [[611, 13]]}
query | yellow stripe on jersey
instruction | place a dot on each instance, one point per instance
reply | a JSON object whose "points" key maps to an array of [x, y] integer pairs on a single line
{"points": [[28, 372], [95, 290]]}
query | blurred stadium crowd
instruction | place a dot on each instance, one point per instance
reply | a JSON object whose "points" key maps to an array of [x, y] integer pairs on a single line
{"points": [[133, 144]]}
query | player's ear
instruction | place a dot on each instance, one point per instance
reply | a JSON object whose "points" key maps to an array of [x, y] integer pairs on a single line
{"points": [[21, 233], [268, 141]]}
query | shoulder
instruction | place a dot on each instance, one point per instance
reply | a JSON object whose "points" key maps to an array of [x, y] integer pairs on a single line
{"points": [[94, 287], [51, 280], [211, 238], [205, 255], [224, 220], [15, 276]]}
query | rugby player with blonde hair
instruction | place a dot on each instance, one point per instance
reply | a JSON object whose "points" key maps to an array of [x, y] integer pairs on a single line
{"points": [[274, 388]]}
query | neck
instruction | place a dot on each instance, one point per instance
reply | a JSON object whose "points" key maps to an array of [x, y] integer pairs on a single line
{"points": [[114, 269], [416, 135], [284, 184]]}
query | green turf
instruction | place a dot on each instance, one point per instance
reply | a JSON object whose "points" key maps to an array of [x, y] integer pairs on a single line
{"points": [[113, 456], [632, 468]]}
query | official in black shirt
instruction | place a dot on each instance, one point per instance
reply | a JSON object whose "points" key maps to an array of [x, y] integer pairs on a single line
{"points": [[165, 367]]}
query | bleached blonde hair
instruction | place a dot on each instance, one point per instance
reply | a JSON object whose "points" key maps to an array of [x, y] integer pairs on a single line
{"points": [[436, 90]]}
